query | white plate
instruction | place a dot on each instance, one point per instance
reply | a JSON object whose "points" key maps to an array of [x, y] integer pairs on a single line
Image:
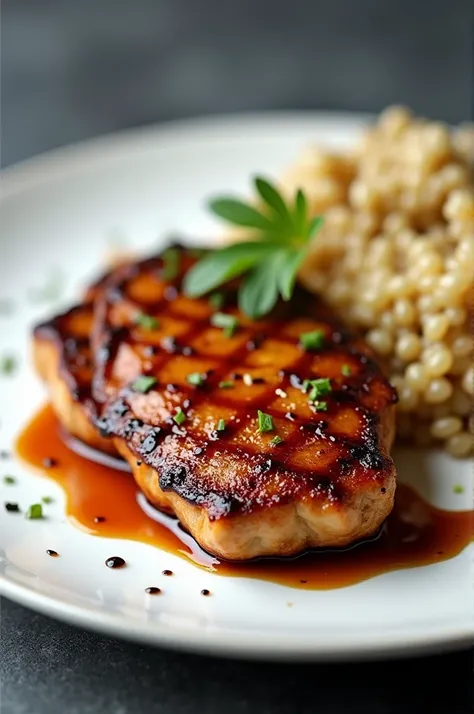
{"points": [[63, 211]]}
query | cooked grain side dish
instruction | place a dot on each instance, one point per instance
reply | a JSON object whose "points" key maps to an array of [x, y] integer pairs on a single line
{"points": [[395, 258]]}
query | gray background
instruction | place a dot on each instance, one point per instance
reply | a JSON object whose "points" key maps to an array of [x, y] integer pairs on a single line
{"points": [[72, 70], [75, 69]]}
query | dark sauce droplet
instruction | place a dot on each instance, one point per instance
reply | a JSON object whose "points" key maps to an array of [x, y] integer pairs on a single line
{"points": [[153, 591], [49, 462], [4, 454], [115, 562], [205, 592], [99, 519], [52, 553], [12, 507], [167, 572]]}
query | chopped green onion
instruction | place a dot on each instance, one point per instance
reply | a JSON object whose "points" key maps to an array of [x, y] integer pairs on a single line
{"points": [[179, 417], [221, 425], [320, 406], [228, 323], [148, 322], [312, 340], [196, 379], [265, 422], [276, 440], [319, 387], [143, 384], [7, 364], [47, 499], [346, 370], [458, 489], [9, 480], [34, 511], [226, 384], [217, 300]]}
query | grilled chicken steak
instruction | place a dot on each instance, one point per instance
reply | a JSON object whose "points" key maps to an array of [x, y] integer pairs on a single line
{"points": [[259, 445]]}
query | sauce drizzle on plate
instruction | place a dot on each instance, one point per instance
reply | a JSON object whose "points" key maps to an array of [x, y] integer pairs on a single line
{"points": [[415, 534]]}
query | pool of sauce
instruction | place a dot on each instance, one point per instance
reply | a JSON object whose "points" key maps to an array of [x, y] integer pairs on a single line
{"points": [[102, 499]]}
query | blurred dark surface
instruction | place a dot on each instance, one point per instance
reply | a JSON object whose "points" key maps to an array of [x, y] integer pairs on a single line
{"points": [[73, 69], [51, 668]]}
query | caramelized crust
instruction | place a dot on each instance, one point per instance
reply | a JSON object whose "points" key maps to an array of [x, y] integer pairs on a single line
{"points": [[330, 482]]}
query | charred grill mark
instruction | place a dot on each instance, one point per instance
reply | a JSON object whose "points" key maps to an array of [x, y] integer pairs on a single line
{"points": [[172, 478], [151, 441]]}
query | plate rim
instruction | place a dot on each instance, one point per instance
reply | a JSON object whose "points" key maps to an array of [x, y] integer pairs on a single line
{"points": [[399, 644], [78, 155], [72, 158]]}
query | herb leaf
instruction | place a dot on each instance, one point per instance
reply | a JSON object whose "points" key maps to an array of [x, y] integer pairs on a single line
{"points": [[300, 211], [276, 440], [34, 511], [346, 370], [228, 323], [7, 364], [312, 340], [196, 379], [274, 200], [221, 425], [288, 272], [143, 384], [259, 292], [265, 422], [320, 406], [272, 260], [179, 417], [319, 388], [240, 214], [314, 225], [148, 322], [223, 265]]}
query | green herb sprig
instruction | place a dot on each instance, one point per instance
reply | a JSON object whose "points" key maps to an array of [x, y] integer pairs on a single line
{"points": [[281, 233]]}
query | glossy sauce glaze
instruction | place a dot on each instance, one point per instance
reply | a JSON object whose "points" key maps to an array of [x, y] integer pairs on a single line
{"points": [[103, 501]]}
